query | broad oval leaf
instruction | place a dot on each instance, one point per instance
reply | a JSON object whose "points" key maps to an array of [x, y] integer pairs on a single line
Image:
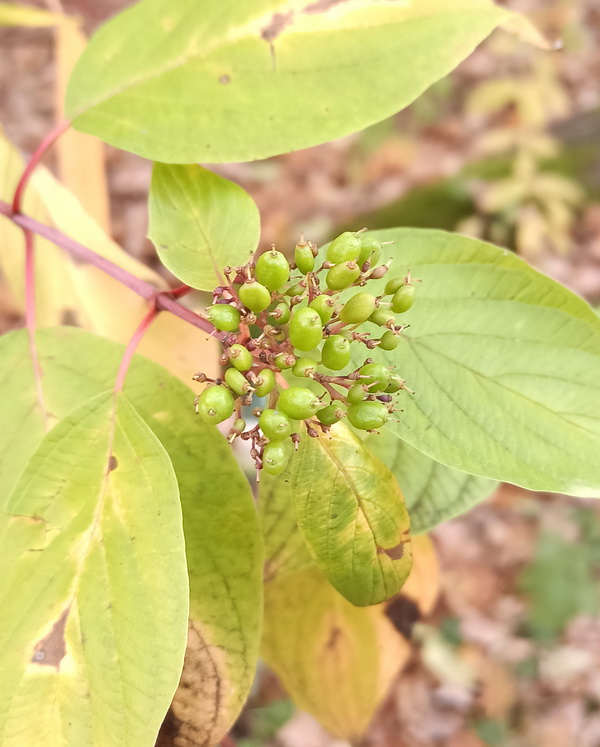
{"points": [[433, 492], [352, 516], [94, 591], [505, 363], [200, 223], [184, 81], [223, 543], [336, 660]]}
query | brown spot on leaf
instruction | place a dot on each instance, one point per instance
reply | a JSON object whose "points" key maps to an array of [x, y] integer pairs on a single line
{"points": [[278, 23], [395, 553], [334, 637], [322, 6], [403, 613], [50, 651], [224, 79], [113, 463]]}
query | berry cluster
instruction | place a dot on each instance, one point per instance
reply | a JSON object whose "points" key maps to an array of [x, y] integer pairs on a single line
{"points": [[272, 312]]}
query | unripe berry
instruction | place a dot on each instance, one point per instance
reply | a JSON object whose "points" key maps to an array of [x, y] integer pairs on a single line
{"points": [[389, 341], [272, 270], [215, 404], [377, 376], [342, 276], [276, 456], [336, 352], [358, 308], [392, 285], [304, 257], [403, 298], [265, 382], [304, 368], [237, 382], [280, 314], [240, 357], [305, 330], [382, 317], [254, 296], [368, 415], [283, 361], [357, 393], [396, 383], [275, 424], [299, 403], [370, 249], [332, 413], [344, 248], [224, 317], [296, 290], [324, 305]]}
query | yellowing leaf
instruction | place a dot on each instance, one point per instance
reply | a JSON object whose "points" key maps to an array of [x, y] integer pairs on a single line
{"points": [[423, 584], [336, 660], [94, 590], [352, 516]]}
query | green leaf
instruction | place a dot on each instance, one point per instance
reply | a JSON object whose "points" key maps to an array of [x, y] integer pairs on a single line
{"points": [[218, 510], [336, 660], [505, 363], [433, 492], [94, 592], [200, 223], [285, 549], [352, 516], [181, 82]]}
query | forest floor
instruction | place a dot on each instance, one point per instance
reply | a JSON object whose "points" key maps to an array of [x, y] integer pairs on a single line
{"points": [[519, 600]]}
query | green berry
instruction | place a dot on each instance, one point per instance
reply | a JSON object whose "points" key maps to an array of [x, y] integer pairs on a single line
{"points": [[358, 308], [370, 249], [215, 404], [272, 269], [296, 290], [368, 415], [342, 276], [382, 317], [305, 330], [332, 413], [304, 257], [357, 393], [276, 456], [237, 382], [393, 284], [283, 361], [344, 248], [224, 317], [299, 403], [377, 376], [265, 382], [336, 352], [396, 383], [304, 367], [324, 305], [275, 424], [389, 341], [254, 296], [240, 357], [403, 298], [280, 314]]}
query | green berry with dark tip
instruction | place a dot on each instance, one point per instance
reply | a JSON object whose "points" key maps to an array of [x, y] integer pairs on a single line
{"points": [[237, 382], [240, 357], [382, 317], [324, 305], [283, 361], [304, 368], [299, 403], [403, 298], [389, 341], [275, 424], [265, 382], [215, 404], [224, 317], [280, 314], [336, 352], [342, 276], [344, 248], [306, 329], [332, 413], [368, 415], [375, 376], [296, 290], [358, 308], [357, 393], [276, 456], [370, 250], [396, 383], [255, 296], [304, 257], [272, 269]]}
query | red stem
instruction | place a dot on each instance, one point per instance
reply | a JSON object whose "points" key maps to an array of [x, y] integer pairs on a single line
{"points": [[131, 347], [50, 138]]}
